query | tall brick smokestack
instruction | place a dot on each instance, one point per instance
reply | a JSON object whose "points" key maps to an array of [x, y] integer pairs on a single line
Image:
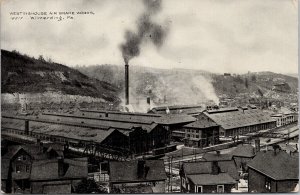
{"points": [[126, 84]]}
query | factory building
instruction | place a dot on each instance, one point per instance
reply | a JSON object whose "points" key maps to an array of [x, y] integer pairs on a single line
{"points": [[239, 121], [171, 122], [134, 138], [200, 133], [285, 116]]}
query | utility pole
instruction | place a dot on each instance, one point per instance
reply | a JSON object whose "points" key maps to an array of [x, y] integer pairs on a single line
{"points": [[288, 136], [171, 173]]}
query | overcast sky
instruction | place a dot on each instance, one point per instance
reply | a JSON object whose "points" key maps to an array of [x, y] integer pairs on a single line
{"points": [[214, 35]]}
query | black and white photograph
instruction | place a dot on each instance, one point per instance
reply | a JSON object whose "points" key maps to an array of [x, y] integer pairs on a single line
{"points": [[149, 96]]}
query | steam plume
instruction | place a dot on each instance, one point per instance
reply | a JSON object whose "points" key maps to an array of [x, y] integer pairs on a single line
{"points": [[147, 30]]}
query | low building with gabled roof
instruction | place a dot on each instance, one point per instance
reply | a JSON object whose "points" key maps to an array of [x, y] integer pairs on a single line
{"points": [[57, 175], [139, 173], [206, 177], [242, 155]]}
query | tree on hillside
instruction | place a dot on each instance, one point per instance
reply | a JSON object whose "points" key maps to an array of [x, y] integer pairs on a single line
{"points": [[246, 83], [253, 78], [41, 58], [260, 92]]}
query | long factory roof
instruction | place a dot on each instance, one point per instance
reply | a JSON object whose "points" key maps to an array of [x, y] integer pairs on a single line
{"points": [[61, 130], [187, 109], [124, 125], [87, 122], [169, 119], [122, 113], [95, 116], [231, 118]]}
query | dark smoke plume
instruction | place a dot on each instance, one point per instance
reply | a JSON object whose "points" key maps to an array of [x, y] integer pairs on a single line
{"points": [[147, 30]]}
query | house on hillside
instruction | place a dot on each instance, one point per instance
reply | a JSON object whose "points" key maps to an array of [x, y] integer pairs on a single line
{"points": [[205, 177], [273, 171], [138, 176]]}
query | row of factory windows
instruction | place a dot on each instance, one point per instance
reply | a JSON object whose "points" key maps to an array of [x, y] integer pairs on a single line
{"points": [[37, 135], [248, 129], [285, 121]]}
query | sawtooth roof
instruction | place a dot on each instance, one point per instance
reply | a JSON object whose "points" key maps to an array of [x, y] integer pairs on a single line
{"points": [[73, 132]]}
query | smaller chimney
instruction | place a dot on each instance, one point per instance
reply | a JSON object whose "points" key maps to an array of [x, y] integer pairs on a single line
{"points": [[26, 127], [257, 145], [276, 149], [60, 166], [126, 84], [140, 168], [215, 169], [218, 152], [148, 101]]}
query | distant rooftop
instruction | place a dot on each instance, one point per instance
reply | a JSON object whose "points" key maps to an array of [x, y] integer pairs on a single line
{"points": [[187, 109], [201, 124], [244, 150]]}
